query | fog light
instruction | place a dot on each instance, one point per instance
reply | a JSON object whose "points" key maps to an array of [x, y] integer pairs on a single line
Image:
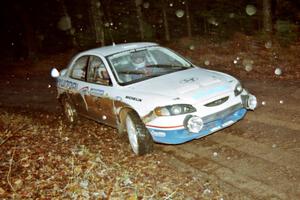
{"points": [[193, 123], [252, 102]]}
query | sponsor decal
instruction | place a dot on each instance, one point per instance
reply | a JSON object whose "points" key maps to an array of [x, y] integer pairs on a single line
{"points": [[228, 123], [84, 89], [189, 80], [133, 98], [67, 84], [215, 128], [158, 133], [96, 92]]}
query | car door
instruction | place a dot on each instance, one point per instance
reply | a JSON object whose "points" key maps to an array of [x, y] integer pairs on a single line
{"points": [[99, 100], [78, 74]]}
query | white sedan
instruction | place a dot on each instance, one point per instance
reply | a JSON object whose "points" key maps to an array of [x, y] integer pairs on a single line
{"points": [[151, 93]]}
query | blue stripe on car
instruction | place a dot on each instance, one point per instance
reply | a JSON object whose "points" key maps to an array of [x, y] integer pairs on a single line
{"points": [[179, 136]]}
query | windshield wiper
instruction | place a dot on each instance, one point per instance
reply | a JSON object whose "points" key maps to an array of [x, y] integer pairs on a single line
{"points": [[131, 72], [173, 67]]}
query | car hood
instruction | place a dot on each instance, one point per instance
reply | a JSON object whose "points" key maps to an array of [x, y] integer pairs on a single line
{"points": [[194, 85]]}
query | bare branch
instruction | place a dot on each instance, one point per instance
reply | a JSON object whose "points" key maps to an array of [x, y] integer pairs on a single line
{"points": [[9, 170]]}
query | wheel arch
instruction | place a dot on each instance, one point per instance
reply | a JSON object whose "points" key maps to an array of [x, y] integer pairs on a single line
{"points": [[122, 113], [62, 96]]}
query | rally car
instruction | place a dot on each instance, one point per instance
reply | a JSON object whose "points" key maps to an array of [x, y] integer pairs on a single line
{"points": [[151, 93]]}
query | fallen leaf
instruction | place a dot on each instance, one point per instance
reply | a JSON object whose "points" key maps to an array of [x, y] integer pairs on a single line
{"points": [[132, 197], [2, 191], [18, 183]]}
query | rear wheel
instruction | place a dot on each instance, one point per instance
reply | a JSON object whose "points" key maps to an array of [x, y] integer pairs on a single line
{"points": [[69, 111], [139, 137]]}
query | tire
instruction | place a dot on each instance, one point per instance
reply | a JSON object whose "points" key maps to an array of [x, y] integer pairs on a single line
{"points": [[139, 137], [69, 111]]}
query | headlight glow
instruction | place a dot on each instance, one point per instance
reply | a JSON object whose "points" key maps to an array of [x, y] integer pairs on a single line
{"points": [[177, 109], [252, 102]]}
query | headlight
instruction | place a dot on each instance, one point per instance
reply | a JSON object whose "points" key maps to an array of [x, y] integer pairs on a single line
{"points": [[238, 89], [177, 109]]}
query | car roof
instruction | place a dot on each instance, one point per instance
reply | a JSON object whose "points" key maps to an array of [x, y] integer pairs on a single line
{"points": [[109, 50]]}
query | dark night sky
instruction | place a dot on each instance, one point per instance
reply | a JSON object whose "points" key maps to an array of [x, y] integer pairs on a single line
{"points": [[41, 18]]}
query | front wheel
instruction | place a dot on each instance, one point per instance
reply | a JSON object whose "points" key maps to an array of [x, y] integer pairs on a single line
{"points": [[140, 139], [69, 111]]}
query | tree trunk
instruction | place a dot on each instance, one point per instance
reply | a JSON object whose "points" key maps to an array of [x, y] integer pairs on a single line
{"points": [[267, 16], [166, 24], [188, 19], [138, 4], [71, 30], [30, 37], [97, 23]]}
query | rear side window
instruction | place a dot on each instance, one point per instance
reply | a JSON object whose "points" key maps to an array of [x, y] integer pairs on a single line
{"points": [[79, 68]]}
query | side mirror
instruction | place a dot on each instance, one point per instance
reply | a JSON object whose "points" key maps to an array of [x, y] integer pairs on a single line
{"points": [[54, 73]]}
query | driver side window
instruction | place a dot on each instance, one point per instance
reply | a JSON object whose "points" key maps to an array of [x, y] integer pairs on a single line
{"points": [[97, 72]]}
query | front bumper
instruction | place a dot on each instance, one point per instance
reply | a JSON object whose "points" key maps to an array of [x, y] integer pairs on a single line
{"points": [[212, 123]]}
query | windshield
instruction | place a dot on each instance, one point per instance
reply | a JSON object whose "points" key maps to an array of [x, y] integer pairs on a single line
{"points": [[140, 64]]}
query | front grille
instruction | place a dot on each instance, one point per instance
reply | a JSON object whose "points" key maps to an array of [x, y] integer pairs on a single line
{"points": [[223, 113], [217, 102]]}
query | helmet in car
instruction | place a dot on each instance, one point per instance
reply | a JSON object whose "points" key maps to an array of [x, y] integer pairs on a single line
{"points": [[138, 59]]}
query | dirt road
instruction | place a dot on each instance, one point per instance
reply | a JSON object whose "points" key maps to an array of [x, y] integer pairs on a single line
{"points": [[257, 158]]}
